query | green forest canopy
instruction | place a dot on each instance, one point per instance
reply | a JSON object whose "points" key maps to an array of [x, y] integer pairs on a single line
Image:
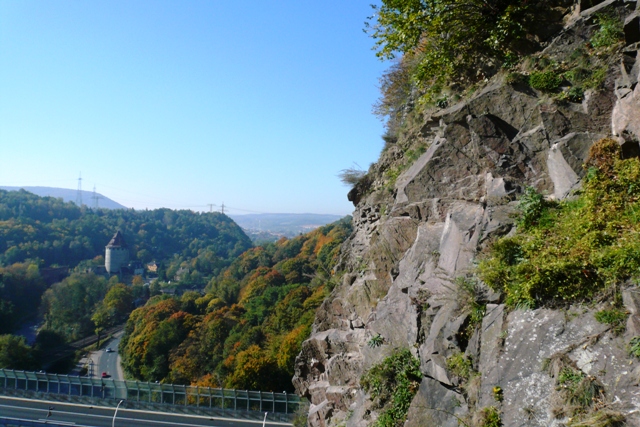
{"points": [[445, 42], [247, 330], [37, 232], [52, 232]]}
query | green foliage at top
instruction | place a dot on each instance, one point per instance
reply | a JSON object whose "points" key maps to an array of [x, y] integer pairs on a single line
{"points": [[578, 249], [54, 232], [450, 40], [392, 384], [246, 331]]}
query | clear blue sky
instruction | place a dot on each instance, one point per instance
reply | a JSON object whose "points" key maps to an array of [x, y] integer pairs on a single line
{"points": [[258, 104]]}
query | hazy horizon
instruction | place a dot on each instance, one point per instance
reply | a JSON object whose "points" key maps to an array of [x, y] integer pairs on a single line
{"points": [[257, 105]]}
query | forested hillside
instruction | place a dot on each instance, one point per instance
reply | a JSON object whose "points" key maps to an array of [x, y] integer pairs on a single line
{"points": [[58, 233], [38, 232], [247, 330]]}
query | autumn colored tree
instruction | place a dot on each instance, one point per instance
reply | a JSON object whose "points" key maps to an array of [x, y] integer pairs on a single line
{"points": [[255, 369], [249, 327]]}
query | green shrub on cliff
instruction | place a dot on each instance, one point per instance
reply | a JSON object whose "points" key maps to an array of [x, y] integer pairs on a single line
{"points": [[614, 317], [609, 32], [579, 249], [490, 417], [392, 384], [546, 81], [445, 41]]}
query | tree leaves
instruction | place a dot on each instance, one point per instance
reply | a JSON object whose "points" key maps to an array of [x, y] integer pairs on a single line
{"points": [[246, 332]]}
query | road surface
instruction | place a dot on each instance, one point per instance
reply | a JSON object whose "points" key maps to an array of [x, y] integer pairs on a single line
{"points": [[37, 410], [109, 362]]}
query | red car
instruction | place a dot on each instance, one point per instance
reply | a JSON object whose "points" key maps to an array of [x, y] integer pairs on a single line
{"points": [[105, 375]]}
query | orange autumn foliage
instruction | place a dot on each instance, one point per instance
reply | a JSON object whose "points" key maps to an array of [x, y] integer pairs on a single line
{"points": [[249, 328]]}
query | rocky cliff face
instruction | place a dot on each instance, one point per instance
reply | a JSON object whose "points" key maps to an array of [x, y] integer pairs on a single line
{"points": [[413, 240]]}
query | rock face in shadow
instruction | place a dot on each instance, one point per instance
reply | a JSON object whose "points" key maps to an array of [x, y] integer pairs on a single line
{"points": [[411, 242]]}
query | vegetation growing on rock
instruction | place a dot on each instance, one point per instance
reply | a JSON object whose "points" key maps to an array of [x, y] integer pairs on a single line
{"points": [[547, 81], [634, 347], [614, 317], [580, 397], [459, 365], [489, 417], [577, 249], [419, 225], [392, 384], [451, 41]]}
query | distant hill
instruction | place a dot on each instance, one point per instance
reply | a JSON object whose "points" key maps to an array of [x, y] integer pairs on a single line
{"points": [[273, 226], [69, 195], [58, 232]]}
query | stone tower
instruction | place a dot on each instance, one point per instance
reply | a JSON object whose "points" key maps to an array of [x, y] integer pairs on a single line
{"points": [[116, 254]]}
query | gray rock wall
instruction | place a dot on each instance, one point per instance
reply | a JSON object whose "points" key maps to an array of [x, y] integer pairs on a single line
{"points": [[410, 244]]}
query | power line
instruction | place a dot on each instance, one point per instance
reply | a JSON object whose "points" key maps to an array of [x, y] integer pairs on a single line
{"points": [[79, 193], [159, 203], [96, 198], [164, 203]]}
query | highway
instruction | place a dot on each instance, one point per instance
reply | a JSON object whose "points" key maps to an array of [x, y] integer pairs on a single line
{"points": [[109, 362], [37, 410]]}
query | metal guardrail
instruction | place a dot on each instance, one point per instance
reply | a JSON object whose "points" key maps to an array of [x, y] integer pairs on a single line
{"points": [[151, 396], [18, 422]]}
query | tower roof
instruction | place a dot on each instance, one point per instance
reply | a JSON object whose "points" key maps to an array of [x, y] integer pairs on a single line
{"points": [[117, 241]]}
